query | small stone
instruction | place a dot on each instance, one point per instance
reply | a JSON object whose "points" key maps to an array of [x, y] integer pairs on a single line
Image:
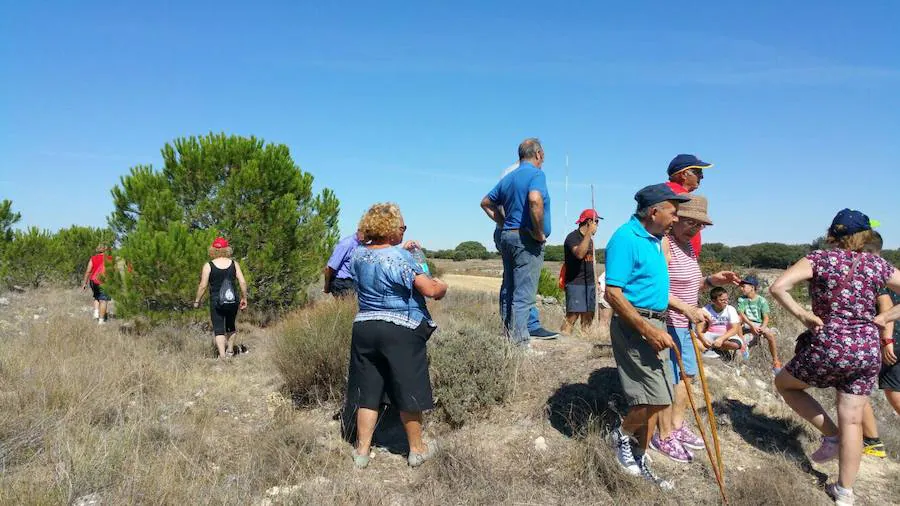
{"points": [[37, 317], [762, 385], [550, 301], [88, 500], [4, 301], [540, 444]]}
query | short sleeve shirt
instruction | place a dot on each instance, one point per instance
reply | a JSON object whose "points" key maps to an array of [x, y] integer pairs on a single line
{"points": [[385, 291], [754, 309], [340, 257], [845, 285], [512, 193], [579, 271], [636, 264], [721, 321]]}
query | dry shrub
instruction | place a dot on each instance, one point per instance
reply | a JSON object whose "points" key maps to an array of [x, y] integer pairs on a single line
{"points": [[471, 369], [312, 350], [778, 483], [595, 466]]}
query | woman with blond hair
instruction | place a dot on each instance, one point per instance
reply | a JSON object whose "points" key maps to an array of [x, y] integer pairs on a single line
{"points": [[841, 348], [387, 350], [219, 275]]}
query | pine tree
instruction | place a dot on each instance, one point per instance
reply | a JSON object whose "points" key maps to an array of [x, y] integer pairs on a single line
{"points": [[29, 258], [7, 219], [248, 191], [73, 247]]}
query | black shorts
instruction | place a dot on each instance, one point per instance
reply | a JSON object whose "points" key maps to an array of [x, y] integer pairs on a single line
{"points": [[342, 287], [889, 378], [99, 294], [386, 358], [222, 320]]}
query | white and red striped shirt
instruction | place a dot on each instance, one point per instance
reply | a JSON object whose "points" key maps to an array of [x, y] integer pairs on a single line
{"points": [[685, 279]]}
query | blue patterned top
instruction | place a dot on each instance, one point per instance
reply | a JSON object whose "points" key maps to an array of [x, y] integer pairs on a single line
{"points": [[385, 291]]}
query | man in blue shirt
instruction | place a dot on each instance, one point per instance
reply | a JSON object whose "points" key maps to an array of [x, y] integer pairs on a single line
{"points": [[520, 205], [535, 329], [637, 288], [338, 278]]}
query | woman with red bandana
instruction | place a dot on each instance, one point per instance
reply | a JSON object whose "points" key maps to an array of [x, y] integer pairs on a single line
{"points": [[219, 275]]}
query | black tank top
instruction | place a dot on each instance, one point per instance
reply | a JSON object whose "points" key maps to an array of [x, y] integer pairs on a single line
{"points": [[217, 276]]}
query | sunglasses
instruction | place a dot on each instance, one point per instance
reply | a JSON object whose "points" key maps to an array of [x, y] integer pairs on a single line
{"points": [[698, 173]]}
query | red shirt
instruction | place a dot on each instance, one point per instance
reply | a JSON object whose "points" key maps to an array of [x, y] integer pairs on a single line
{"points": [[696, 241], [98, 266]]}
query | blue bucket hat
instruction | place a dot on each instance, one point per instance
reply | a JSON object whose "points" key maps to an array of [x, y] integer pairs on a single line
{"points": [[849, 222], [656, 193], [684, 162]]}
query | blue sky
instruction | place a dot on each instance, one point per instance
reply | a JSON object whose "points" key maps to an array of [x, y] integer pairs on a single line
{"points": [[796, 103]]}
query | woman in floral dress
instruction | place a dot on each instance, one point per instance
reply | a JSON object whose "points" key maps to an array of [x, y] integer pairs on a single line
{"points": [[841, 349]]}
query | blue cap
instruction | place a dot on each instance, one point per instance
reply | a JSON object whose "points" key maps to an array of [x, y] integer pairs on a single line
{"points": [[850, 221], [656, 193], [684, 162], [751, 280]]}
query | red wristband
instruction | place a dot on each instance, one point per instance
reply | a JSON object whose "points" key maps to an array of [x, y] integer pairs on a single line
{"points": [[885, 342]]}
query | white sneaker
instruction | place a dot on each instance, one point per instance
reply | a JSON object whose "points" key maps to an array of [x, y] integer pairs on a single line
{"points": [[624, 456], [842, 496], [710, 354], [647, 474], [101, 321]]}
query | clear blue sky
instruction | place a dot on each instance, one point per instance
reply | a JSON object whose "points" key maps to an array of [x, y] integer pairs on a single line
{"points": [[797, 103]]}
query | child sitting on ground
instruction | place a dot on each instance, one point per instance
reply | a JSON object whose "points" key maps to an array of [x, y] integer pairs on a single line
{"points": [[722, 334], [753, 310]]}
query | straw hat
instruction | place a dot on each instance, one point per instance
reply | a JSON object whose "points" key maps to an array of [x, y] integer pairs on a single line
{"points": [[696, 209]]}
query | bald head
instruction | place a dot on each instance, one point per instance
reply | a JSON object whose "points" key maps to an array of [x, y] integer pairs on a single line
{"points": [[530, 150]]}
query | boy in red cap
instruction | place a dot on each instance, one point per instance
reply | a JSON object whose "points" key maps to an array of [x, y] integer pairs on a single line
{"points": [[579, 277]]}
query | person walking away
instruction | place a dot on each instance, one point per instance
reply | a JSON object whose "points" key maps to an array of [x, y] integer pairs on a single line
{"points": [[685, 174], [841, 348], [388, 353], [674, 439], [753, 309], [220, 274], [535, 329], [96, 267], [637, 288], [578, 259], [338, 278], [520, 203]]}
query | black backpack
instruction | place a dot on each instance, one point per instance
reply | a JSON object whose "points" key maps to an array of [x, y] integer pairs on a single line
{"points": [[227, 298]]}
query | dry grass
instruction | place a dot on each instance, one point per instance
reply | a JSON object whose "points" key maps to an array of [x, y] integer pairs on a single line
{"points": [[148, 418]]}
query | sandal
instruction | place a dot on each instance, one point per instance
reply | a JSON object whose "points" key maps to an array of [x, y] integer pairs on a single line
{"points": [[417, 459], [360, 461]]}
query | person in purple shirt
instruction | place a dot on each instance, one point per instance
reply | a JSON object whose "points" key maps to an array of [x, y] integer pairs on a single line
{"points": [[338, 278]]}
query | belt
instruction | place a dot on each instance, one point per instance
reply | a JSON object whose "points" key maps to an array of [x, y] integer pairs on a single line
{"points": [[649, 313]]}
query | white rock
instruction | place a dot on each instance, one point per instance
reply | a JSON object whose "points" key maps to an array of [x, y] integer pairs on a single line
{"points": [[88, 500], [4, 301], [540, 444], [37, 317], [762, 385]]}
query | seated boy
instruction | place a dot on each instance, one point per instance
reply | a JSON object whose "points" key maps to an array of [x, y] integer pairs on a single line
{"points": [[723, 331], [753, 310]]}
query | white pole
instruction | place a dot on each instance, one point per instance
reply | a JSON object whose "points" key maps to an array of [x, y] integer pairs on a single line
{"points": [[567, 189]]}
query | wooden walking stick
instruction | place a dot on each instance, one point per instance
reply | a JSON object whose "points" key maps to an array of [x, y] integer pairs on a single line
{"points": [[715, 464], [709, 410]]}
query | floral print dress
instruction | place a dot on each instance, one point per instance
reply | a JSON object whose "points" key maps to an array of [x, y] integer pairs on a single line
{"points": [[846, 353]]}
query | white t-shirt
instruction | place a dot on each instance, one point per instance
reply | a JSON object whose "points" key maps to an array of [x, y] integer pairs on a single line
{"points": [[721, 322]]}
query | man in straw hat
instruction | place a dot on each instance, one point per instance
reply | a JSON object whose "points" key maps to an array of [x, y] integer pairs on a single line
{"points": [[637, 288]]}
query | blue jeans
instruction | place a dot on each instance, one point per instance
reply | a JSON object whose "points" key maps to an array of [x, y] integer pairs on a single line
{"points": [[534, 323], [522, 260]]}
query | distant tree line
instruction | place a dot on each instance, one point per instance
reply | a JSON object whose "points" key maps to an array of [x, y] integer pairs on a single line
{"points": [[765, 255]]}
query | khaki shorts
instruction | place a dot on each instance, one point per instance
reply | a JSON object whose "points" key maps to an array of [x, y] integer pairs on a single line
{"points": [[645, 374]]}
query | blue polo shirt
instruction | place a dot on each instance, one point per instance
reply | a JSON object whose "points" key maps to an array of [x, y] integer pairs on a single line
{"points": [[512, 193], [635, 263]]}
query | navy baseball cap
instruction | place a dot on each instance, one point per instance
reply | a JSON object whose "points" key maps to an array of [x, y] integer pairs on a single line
{"points": [[656, 193], [850, 221], [684, 162], [751, 280]]}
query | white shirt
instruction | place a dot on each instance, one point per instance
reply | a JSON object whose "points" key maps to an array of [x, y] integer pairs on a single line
{"points": [[723, 321]]}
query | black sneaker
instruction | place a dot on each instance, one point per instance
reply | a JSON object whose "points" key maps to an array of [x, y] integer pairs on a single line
{"points": [[244, 349], [543, 334]]}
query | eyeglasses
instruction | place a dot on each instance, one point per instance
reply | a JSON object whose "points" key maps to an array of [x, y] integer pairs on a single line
{"points": [[403, 228], [697, 172]]}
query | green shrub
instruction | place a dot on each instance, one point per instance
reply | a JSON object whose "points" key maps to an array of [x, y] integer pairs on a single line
{"points": [[312, 350], [548, 285], [74, 247], [472, 369], [29, 259]]}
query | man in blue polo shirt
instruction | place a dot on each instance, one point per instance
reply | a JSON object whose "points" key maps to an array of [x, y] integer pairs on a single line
{"points": [[520, 205], [637, 288]]}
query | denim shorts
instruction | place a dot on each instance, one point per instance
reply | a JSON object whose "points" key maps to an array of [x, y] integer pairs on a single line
{"points": [[682, 338]]}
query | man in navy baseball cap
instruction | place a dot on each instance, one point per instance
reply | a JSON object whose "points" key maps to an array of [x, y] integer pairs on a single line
{"points": [[685, 173]]}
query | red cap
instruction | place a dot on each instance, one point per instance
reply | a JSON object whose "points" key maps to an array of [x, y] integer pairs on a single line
{"points": [[588, 214], [220, 242]]}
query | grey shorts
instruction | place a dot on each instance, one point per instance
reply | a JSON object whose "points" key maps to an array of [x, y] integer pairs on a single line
{"points": [[580, 298], [645, 374]]}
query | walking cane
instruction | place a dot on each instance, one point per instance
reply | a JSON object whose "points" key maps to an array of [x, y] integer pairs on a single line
{"points": [[712, 416], [716, 464]]}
